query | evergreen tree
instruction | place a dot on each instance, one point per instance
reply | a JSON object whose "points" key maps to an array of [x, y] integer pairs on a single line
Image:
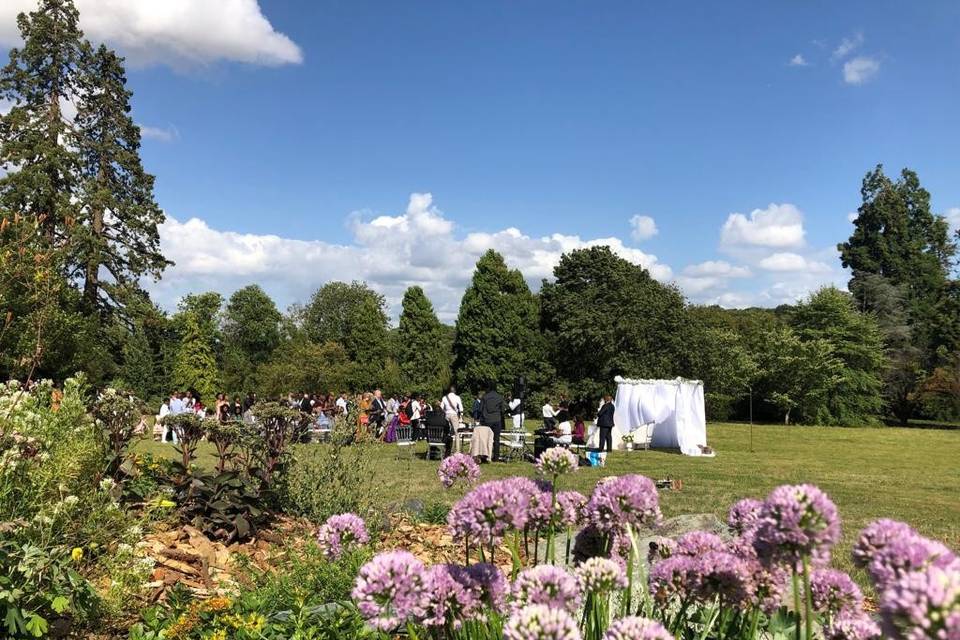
{"points": [[195, 367], [119, 218], [497, 336], [137, 371], [423, 351], [40, 77], [605, 316], [857, 342], [251, 333]]}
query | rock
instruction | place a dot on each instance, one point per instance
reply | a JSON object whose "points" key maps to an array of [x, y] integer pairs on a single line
{"points": [[414, 506]]}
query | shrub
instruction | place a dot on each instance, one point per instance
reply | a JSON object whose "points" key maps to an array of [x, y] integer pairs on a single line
{"points": [[326, 479]]}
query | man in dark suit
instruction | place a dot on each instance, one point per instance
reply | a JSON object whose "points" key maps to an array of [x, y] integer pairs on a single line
{"points": [[377, 412], [492, 408], [605, 423]]}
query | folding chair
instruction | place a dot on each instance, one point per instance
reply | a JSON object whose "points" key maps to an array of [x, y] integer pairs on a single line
{"points": [[436, 439], [513, 444], [405, 440]]}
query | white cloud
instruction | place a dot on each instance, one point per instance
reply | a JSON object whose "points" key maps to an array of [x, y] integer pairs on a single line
{"points": [[779, 225], [716, 268], [175, 32], [161, 134], [848, 46], [644, 227], [390, 253], [787, 261], [798, 61], [953, 218], [852, 216], [860, 69]]}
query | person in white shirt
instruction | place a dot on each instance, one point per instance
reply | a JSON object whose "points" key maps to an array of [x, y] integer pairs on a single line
{"points": [[549, 415], [176, 404], [416, 408], [452, 407], [516, 412], [158, 429], [342, 403]]}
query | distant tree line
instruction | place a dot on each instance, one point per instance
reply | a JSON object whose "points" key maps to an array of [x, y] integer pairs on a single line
{"points": [[78, 233]]}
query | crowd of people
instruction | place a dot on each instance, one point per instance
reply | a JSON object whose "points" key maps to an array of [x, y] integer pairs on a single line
{"points": [[411, 416]]}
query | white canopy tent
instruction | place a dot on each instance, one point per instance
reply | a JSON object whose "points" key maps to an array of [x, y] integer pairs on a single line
{"points": [[674, 408]]}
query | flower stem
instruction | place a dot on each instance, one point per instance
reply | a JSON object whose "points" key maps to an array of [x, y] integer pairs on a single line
{"points": [[796, 603], [808, 599]]}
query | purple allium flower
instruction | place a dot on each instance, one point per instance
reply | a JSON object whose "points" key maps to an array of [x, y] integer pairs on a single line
{"points": [[569, 508], [458, 467], [673, 577], [906, 554], [851, 625], [726, 576], [492, 509], [834, 592], [449, 597], [341, 533], [697, 543], [547, 585], [600, 575], [539, 622], [797, 521], [540, 513], [389, 590], [744, 516], [493, 587], [635, 628], [877, 535], [621, 501], [556, 461], [769, 585], [923, 604]]}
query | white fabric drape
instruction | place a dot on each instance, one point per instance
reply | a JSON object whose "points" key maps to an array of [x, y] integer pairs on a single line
{"points": [[674, 407]]}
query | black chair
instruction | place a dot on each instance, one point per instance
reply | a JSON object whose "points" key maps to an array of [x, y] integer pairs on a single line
{"points": [[436, 439]]}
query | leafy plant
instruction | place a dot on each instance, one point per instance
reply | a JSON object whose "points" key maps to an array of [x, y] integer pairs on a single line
{"points": [[279, 426], [225, 506], [325, 479], [189, 430], [116, 414]]}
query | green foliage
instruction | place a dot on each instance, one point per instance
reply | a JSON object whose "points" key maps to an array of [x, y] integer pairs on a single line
{"points": [[251, 334], [326, 479], [423, 349], [856, 341], [604, 316], [300, 364], [225, 506], [116, 414], [195, 367], [497, 335]]}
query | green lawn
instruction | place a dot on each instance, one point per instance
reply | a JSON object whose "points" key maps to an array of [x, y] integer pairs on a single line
{"points": [[906, 474]]}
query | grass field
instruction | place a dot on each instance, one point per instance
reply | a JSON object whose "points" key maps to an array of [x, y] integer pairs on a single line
{"points": [[907, 474]]}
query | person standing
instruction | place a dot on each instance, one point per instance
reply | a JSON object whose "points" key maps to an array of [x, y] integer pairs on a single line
{"points": [[605, 423], [492, 409], [416, 411], [377, 412], [549, 415], [342, 404], [516, 412], [452, 407]]}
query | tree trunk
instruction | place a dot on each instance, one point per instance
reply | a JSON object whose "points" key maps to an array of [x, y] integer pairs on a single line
{"points": [[91, 285]]}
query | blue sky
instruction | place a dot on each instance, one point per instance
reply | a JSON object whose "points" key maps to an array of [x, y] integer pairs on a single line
{"points": [[544, 118]]}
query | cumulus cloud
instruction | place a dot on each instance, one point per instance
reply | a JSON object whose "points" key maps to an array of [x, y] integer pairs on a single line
{"points": [[852, 216], [787, 261], [847, 46], [642, 227], [388, 252], [860, 69], [779, 225], [175, 32], [953, 218], [161, 134], [717, 268], [798, 61]]}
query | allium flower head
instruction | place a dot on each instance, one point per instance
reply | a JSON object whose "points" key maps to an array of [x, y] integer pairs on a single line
{"points": [[547, 585], [833, 591], [490, 584], [621, 501], [661, 548], [556, 461], [797, 521], [539, 622], [389, 590], [877, 535], [635, 628], [456, 468], [492, 509], [569, 508], [449, 597], [907, 554], [674, 577], [724, 575], [769, 585], [697, 543], [341, 533], [851, 625], [744, 516], [601, 576], [923, 604]]}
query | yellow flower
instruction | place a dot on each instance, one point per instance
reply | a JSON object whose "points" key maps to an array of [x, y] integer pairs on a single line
{"points": [[217, 604], [167, 504], [255, 622], [77, 554], [219, 634]]}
